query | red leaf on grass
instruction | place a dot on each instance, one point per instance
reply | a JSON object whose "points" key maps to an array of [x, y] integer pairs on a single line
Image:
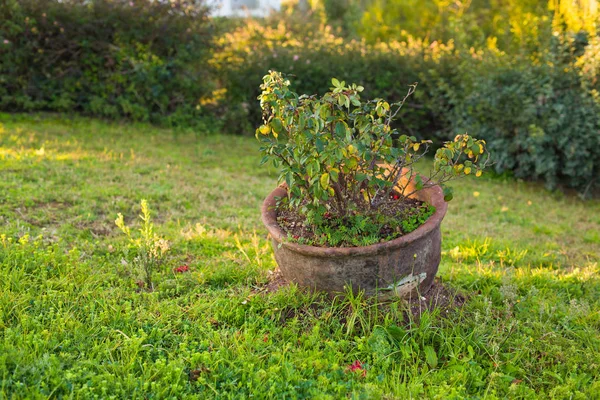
{"points": [[181, 269], [357, 366]]}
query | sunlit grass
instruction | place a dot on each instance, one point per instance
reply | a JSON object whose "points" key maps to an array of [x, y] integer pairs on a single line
{"points": [[74, 322]]}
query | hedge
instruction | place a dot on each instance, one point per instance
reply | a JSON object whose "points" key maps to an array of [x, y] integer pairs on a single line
{"points": [[140, 59]]}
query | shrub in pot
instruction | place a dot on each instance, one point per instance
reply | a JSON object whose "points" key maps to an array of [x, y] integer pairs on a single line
{"points": [[351, 209]]}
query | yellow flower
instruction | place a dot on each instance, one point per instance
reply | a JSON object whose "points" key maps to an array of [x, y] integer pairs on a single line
{"points": [[475, 194]]}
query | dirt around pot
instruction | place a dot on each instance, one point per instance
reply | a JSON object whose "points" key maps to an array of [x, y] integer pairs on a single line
{"points": [[440, 296]]}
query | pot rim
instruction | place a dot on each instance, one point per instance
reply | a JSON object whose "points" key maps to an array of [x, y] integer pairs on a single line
{"points": [[269, 218]]}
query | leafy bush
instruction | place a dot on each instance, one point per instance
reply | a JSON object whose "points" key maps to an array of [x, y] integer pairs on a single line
{"points": [[540, 116], [310, 57], [533, 109], [338, 156], [141, 59]]}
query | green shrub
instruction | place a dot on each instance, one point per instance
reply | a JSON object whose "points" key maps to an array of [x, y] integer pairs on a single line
{"points": [[342, 166], [539, 115], [537, 111], [310, 57], [142, 59]]}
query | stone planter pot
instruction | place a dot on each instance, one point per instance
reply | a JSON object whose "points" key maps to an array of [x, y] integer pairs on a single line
{"points": [[404, 266]]}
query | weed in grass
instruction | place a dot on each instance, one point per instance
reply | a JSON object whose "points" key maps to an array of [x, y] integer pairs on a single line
{"points": [[147, 251]]}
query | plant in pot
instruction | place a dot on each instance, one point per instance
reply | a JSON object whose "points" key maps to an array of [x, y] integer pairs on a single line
{"points": [[351, 209]]}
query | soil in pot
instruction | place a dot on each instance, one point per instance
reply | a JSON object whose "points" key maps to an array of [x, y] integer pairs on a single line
{"points": [[393, 219]]}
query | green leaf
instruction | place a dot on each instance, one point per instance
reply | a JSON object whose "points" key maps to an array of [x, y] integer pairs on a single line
{"points": [[396, 333], [319, 145], [431, 356], [352, 163], [448, 193], [276, 125], [335, 82], [418, 182], [361, 177], [340, 129], [334, 172]]}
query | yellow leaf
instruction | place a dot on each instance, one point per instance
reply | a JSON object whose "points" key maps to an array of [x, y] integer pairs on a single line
{"points": [[467, 170], [416, 146], [264, 129], [365, 196], [324, 180], [478, 173]]}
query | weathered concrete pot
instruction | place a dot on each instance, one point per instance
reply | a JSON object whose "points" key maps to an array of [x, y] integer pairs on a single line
{"points": [[403, 266]]}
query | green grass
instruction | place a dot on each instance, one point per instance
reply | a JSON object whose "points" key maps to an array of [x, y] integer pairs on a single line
{"points": [[72, 323]]}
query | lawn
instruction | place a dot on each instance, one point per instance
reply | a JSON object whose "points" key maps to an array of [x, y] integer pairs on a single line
{"points": [[74, 323]]}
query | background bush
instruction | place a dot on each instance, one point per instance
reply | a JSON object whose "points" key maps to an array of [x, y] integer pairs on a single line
{"points": [[140, 59], [312, 57], [538, 114], [538, 107]]}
